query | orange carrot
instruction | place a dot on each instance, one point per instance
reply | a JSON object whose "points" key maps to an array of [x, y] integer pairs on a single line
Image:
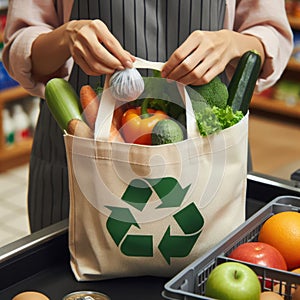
{"points": [[115, 134], [90, 104], [79, 128]]}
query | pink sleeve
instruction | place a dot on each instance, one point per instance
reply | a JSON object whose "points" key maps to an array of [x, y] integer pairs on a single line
{"points": [[20, 33], [267, 20]]}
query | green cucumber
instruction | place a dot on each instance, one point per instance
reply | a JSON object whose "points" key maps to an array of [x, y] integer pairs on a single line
{"points": [[242, 84], [166, 131], [63, 102]]}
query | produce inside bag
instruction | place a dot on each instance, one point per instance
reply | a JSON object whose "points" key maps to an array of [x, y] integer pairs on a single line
{"points": [[138, 118]]}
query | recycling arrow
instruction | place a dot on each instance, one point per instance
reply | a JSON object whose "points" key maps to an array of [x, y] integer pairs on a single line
{"points": [[169, 191], [176, 246], [116, 225], [191, 222], [189, 219], [171, 194], [137, 194], [138, 245]]}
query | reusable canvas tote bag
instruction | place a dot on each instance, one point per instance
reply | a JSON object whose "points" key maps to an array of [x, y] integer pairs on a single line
{"points": [[151, 210]]}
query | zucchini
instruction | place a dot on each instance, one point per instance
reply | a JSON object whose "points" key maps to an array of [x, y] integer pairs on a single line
{"points": [[63, 102], [242, 84]]}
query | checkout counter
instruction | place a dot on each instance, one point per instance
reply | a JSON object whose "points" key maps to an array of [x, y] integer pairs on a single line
{"points": [[40, 261]]}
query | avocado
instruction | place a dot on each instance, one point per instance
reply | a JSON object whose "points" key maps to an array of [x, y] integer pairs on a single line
{"points": [[167, 131]]}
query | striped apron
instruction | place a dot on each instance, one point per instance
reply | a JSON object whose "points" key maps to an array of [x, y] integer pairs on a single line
{"points": [[150, 29]]}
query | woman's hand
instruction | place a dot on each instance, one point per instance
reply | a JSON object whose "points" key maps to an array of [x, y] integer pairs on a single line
{"points": [[89, 42], [205, 54], [95, 49]]}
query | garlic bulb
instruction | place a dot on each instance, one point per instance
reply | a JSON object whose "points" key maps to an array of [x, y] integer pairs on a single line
{"points": [[126, 85]]}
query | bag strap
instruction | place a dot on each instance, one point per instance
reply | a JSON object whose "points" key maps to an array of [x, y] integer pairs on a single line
{"points": [[105, 113], [108, 102], [191, 124], [146, 64]]}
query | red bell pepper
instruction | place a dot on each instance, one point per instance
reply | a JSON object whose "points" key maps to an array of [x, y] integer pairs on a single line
{"points": [[137, 123]]}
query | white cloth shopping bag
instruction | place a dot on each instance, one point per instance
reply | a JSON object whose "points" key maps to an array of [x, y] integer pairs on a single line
{"points": [[151, 210]]}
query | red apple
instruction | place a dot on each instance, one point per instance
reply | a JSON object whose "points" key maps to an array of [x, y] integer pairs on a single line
{"points": [[260, 254]]}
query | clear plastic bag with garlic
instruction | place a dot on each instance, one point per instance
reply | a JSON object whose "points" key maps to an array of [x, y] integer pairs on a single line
{"points": [[127, 84]]}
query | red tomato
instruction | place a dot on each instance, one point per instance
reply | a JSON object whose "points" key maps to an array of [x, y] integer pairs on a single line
{"points": [[260, 254]]}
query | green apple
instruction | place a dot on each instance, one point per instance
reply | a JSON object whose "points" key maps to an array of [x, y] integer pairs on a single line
{"points": [[233, 281]]}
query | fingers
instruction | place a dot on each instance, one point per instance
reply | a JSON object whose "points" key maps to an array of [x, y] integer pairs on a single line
{"points": [[192, 72], [200, 75], [180, 58], [190, 66], [111, 44], [97, 51], [93, 58], [199, 59], [92, 66]]}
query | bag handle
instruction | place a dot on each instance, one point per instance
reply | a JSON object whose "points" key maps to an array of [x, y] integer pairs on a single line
{"points": [[146, 64], [108, 102]]}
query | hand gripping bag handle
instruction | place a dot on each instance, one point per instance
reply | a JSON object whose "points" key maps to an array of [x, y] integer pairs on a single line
{"points": [[107, 105]]}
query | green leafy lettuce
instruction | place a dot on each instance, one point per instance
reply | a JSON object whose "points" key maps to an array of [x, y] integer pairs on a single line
{"points": [[214, 119]]}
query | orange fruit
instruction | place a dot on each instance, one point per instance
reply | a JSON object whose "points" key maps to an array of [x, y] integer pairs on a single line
{"points": [[296, 294], [282, 231], [297, 271], [293, 289], [270, 296]]}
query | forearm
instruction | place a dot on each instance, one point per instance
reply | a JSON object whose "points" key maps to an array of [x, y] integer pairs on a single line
{"points": [[242, 43], [270, 27], [50, 51], [89, 42]]}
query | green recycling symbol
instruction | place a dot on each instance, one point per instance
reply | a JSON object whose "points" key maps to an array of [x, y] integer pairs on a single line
{"points": [[171, 194]]}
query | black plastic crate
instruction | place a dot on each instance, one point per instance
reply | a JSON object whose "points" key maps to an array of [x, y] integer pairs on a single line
{"points": [[190, 282]]}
